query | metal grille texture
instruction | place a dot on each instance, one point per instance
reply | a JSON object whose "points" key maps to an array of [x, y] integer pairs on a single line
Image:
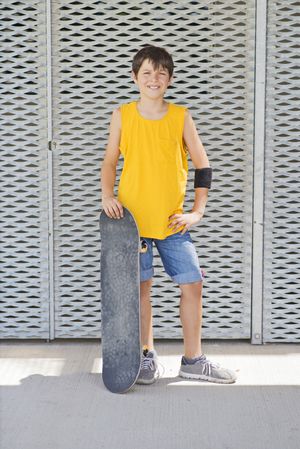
{"points": [[93, 42], [24, 197], [213, 47], [282, 205]]}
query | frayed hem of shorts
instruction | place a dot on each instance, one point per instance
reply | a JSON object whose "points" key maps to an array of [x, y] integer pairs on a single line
{"points": [[188, 278], [147, 274]]}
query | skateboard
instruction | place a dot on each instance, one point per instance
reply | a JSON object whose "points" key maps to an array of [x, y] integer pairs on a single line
{"points": [[120, 302]]}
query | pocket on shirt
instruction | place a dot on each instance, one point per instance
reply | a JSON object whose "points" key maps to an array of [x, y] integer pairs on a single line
{"points": [[168, 150]]}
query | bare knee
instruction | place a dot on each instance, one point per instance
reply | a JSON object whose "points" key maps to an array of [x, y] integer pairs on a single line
{"points": [[192, 289]]}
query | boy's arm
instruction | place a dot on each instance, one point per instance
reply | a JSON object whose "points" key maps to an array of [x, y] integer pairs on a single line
{"points": [[111, 205], [199, 158]]}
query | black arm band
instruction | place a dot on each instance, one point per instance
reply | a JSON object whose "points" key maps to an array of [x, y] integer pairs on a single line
{"points": [[203, 177]]}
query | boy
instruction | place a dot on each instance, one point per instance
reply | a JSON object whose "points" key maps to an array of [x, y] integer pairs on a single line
{"points": [[154, 137]]}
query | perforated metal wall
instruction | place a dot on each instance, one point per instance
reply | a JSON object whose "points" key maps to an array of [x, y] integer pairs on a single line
{"points": [[92, 45], [282, 205], [212, 44], [24, 197]]}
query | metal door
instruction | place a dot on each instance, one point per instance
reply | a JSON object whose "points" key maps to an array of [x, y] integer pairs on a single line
{"points": [[213, 48], [25, 279]]}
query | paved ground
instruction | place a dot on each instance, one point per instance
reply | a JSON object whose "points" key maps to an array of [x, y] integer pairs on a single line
{"points": [[52, 397]]}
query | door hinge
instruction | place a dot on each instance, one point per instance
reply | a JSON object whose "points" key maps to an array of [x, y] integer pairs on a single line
{"points": [[51, 145]]}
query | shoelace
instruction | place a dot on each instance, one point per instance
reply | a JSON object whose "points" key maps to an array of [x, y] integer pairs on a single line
{"points": [[147, 363], [208, 365]]}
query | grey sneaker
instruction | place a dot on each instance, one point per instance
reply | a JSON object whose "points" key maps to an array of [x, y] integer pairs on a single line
{"points": [[149, 371], [204, 369]]}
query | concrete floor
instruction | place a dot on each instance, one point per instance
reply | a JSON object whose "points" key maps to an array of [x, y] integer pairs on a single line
{"points": [[52, 397]]}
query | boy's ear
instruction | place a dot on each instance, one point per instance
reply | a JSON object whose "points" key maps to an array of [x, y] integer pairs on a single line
{"points": [[133, 77], [171, 80]]}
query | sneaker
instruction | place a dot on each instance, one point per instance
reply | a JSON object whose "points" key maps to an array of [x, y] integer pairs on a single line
{"points": [[204, 369], [149, 371]]}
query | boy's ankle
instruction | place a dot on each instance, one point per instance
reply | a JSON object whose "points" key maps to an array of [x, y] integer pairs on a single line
{"points": [[191, 356], [148, 348]]}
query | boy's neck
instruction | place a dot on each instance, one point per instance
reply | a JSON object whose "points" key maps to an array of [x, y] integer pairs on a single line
{"points": [[152, 107]]}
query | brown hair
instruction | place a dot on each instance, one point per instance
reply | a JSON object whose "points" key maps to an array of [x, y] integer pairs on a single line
{"points": [[157, 55]]}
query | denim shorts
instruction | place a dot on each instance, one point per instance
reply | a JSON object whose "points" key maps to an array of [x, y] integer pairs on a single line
{"points": [[178, 255]]}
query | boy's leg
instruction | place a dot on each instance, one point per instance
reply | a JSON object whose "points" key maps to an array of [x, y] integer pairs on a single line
{"points": [[146, 315], [191, 318], [194, 364], [146, 273], [181, 262], [149, 371]]}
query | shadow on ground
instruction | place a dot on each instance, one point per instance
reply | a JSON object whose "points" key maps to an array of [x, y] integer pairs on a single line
{"points": [[76, 411], [73, 410]]}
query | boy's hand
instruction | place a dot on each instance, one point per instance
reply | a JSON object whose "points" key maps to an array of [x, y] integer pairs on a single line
{"points": [[112, 207], [177, 221]]}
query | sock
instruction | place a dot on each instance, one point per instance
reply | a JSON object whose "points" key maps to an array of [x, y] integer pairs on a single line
{"points": [[194, 360], [146, 350]]}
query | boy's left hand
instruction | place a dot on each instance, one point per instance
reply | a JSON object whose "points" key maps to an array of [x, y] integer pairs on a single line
{"points": [[177, 221]]}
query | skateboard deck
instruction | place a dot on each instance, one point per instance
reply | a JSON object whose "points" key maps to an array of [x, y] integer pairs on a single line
{"points": [[120, 302]]}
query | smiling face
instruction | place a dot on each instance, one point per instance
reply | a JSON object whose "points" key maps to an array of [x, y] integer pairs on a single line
{"points": [[151, 82]]}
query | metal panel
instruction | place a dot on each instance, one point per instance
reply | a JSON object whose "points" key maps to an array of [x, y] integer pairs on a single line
{"points": [[24, 200], [213, 47], [282, 174], [258, 163]]}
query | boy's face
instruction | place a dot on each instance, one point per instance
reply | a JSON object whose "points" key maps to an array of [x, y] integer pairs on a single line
{"points": [[152, 83]]}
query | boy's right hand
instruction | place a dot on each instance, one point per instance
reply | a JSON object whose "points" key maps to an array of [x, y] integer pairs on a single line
{"points": [[112, 207]]}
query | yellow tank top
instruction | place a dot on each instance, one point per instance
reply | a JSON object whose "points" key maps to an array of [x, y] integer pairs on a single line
{"points": [[153, 180]]}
